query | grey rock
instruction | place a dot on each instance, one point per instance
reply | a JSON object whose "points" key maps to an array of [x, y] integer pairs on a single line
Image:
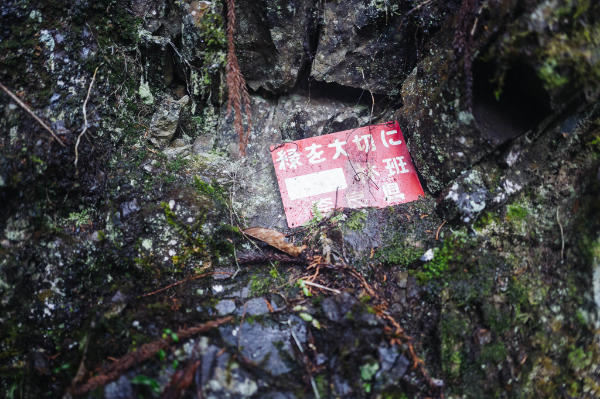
{"points": [[208, 363], [229, 380], [181, 151], [118, 297], [256, 307], [272, 40], [127, 208], [268, 345], [165, 120], [412, 290], [363, 45], [466, 197], [341, 387], [120, 389], [223, 273], [336, 308], [387, 357], [225, 307]]}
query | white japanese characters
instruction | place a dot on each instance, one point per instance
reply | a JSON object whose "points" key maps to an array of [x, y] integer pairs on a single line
{"points": [[314, 156], [289, 158], [395, 166], [356, 199], [366, 166], [364, 143], [392, 192], [384, 135], [339, 148], [324, 206]]}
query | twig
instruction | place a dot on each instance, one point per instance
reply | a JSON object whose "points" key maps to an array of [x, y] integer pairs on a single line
{"points": [[30, 112], [323, 287], [143, 353], [299, 345], [415, 8], [437, 233], [185, 280], [269, 257], [85, 121], [562, 237]]}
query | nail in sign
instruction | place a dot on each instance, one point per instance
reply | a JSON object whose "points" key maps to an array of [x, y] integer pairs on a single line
{"points": [[368, 166]]}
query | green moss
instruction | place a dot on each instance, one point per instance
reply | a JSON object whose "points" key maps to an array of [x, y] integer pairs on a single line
{"points": [[258, 285], [485, 220], [402, 254], [444, 258], [569, 56], [579, 358], [212, 190], [367, 372], [452, 328], [549, 74], [516, 212], [494, 353], [356, 221]]}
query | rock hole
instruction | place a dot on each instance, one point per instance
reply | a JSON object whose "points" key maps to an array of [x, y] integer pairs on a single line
{"points": [[507, 112]]}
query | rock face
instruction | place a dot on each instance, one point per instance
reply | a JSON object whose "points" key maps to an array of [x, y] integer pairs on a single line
{"points": [[165, 120], [492, 279], [371, 45], [274, 41], [358, 48]]}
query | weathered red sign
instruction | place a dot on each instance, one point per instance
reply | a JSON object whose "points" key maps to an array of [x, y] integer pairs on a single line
{"points": [[368, 166]]}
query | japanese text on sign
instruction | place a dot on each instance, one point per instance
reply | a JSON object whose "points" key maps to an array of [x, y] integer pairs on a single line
{"points": [[368, 166]]}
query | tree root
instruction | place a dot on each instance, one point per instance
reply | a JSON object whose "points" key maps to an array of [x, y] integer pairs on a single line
{"points": [[145, 352]]}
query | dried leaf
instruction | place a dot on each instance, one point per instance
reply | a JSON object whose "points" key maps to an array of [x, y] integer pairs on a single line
{"points": [[275, 239]]}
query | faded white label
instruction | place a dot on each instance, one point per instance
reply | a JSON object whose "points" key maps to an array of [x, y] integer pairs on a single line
{"points": [[316, 183]]}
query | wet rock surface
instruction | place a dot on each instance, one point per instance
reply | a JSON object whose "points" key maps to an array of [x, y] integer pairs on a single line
{"points": [[492, 279], [274, 41]]}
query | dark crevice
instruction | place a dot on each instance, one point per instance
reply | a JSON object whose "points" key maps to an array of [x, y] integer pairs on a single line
{"points": [[339, 93], [314, 26], [179, 71], [506, 111]]}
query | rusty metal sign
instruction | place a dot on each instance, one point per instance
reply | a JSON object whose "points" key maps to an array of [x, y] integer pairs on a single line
{"points": [[368, 166]]}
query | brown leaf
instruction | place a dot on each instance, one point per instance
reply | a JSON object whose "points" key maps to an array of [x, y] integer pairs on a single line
{"points": [[274, 239]]}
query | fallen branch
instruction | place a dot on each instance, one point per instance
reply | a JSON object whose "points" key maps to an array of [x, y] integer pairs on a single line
{"points": [[185, 280], [85, 121], [263, 258], [181, 380], [30, 112], [145, 352]]}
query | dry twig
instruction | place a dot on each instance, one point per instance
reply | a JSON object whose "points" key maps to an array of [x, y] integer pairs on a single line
{"points": [[30, 112], [85, 121], [322, 287], [437, 233], [185, 280]]}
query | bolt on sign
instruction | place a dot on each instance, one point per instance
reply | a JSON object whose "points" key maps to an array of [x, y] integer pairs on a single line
{"points": [[368, 166]]}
